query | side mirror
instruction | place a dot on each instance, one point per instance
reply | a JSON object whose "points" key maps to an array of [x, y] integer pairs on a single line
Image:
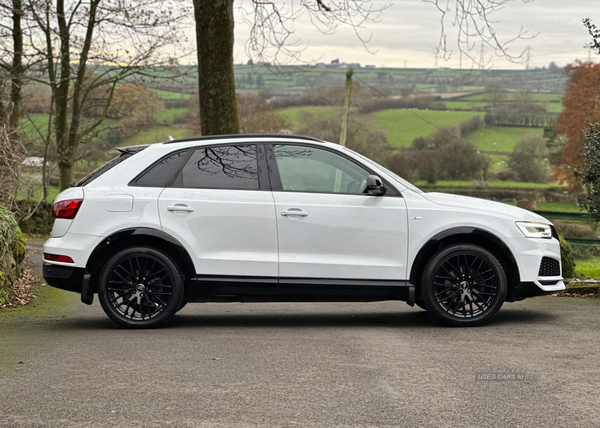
{"points": [[375, 186]]}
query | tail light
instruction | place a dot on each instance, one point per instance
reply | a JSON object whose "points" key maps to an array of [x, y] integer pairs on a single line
{"points": [[57, 258], [66, 209]]}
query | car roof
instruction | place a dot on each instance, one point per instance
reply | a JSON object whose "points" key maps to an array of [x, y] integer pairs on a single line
{"points": [[243, 136]]}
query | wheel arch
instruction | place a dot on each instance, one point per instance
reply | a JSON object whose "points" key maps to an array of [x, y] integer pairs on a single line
{"points": [[468, 235], [139, 236]]}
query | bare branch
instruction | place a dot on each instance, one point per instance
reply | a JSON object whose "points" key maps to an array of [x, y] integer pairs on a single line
{"points": [[472, 22]]}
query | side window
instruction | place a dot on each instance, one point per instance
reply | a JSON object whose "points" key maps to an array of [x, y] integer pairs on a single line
{"points": [[308, 169], [161, 172], [225, 167]]}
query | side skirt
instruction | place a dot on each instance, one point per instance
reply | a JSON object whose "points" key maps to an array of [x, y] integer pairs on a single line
{"points": [[267, 289]]}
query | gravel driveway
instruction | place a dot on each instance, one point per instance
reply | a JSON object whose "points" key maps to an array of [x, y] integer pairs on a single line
{"points": [[302, 365]]}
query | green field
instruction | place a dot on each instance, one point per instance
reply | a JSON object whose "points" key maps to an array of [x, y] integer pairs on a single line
{"points": [[293, 115], [33, 124], [157, 134], [500, 138], [498, 162], [558, 206], [168, 95], [465, 105], [553, 107], [402, 126], [554, 206], [513, 96], [490, 183], [588, 267], [167, 116], [37, 193]]}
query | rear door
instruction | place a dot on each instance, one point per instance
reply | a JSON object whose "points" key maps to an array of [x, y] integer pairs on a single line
{"points": [[220, 205]]}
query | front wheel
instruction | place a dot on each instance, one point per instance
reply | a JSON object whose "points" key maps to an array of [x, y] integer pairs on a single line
{"points": [[140, 287], [463, 285]]}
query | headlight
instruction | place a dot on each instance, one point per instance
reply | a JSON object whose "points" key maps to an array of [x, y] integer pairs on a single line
{"points": [[535, 230]]}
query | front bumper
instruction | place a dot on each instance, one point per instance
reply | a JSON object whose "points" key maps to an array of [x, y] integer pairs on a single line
{"points": [[532, 289]]}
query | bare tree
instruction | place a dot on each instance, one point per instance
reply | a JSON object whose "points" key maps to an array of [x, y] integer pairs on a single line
{"points": [[87, 45], [595, 33], [473, 24], [11, 62]]}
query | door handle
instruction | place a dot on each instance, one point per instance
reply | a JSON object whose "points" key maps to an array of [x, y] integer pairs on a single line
{"points": [[180, 208], [294, 211]]}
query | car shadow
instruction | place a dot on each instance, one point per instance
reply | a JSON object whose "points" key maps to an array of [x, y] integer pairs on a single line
{"points": [[413, 318]]}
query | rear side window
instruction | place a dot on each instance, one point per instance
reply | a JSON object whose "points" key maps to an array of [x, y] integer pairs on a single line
{"points": [[126, 153], [225, 167], [161, 173]]}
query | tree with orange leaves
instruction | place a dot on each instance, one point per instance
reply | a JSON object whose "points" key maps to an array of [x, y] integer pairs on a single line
{"points": [[581, 108]]}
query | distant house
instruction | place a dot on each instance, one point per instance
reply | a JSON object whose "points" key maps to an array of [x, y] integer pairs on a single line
{"points": [[369, 66], [33, 161]]}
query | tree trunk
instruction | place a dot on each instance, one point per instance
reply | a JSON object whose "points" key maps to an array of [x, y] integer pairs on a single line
{"points": [[73, 137], [216, 82], [17, 67], [64, 154]]}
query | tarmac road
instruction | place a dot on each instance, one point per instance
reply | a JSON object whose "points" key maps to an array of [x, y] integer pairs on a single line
{"points": [[302, 365]]}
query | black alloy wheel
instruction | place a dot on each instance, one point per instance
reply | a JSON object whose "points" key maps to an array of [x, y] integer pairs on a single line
{"points": [[141, 287], [463, 285]]}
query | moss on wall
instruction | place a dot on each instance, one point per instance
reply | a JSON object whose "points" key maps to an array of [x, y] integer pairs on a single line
{"points": [[40, 222], [12, 253]]}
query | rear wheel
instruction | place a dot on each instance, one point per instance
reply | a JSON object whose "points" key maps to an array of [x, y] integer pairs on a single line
{"points": [[141, 287], [463, 285]]}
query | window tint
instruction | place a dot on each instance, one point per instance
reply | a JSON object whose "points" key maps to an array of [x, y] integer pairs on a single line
{"points": [[226, 167], [126, 153], [160, 174], [308, 169]]}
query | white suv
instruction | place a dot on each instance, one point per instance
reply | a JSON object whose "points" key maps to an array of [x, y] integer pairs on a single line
{"points": [[278, 218]]}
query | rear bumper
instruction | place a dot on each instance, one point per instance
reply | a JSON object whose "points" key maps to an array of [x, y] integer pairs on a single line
{"points": [[64, 277]]}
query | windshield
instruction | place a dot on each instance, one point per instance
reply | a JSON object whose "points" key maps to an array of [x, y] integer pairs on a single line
{"points": [[393, 175]]}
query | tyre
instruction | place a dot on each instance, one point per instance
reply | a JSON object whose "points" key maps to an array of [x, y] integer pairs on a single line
{"points": [[419, 303], [463, 285], [183, 303], [140, 287]]}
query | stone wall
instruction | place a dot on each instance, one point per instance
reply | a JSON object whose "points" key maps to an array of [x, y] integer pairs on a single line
{"points": [[40, 222], [12, 253]]}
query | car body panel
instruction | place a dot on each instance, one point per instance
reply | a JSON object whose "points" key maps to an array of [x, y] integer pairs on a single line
{"points": [[342, 236], [230, 232]]}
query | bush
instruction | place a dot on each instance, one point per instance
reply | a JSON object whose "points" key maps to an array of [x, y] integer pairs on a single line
{"points": [[519, 114], [420, 103], [11, 155], [575, 230], [507, 175], [589, 173], [12, 253], [460, 160], [530, 160], [568, 262], [472, 125], [412, 164]]}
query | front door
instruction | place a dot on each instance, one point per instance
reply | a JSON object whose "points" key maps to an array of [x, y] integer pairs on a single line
{"points": [[327, 227]]}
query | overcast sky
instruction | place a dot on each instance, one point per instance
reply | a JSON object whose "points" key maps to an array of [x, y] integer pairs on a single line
{"points": [[407, 34]]}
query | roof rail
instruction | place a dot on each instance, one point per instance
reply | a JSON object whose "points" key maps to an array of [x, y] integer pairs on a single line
{"points": [[229, 136]]}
